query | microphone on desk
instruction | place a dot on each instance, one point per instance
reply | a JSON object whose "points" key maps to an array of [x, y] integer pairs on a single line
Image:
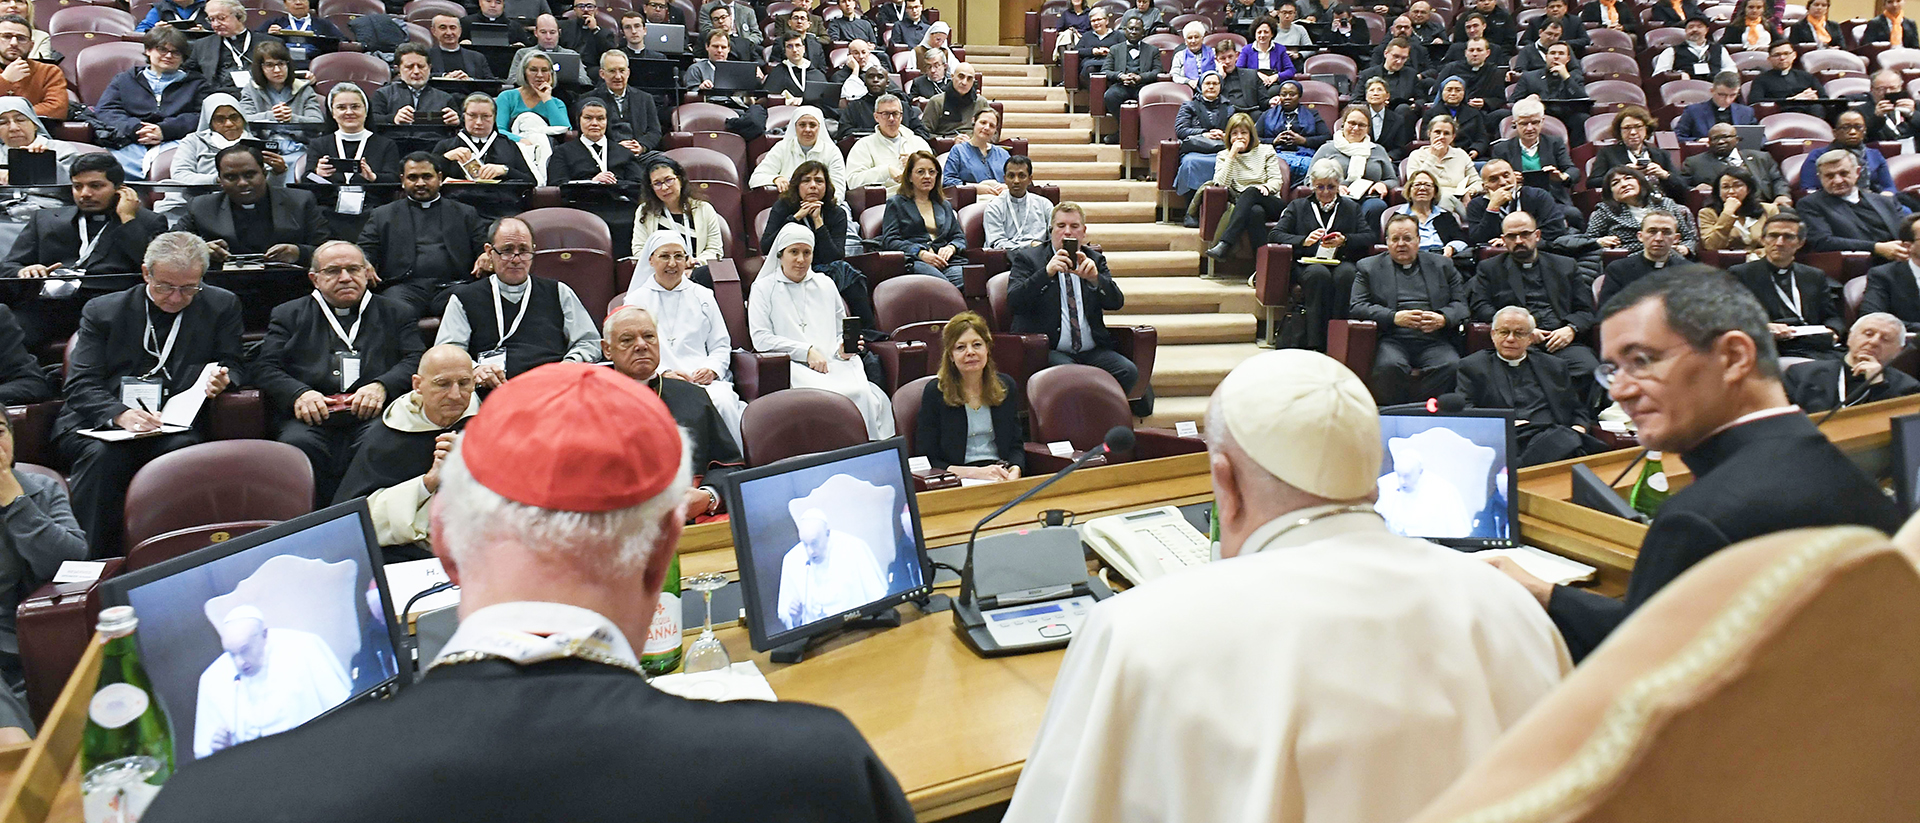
{"points": [[1852, 397], [1118, 439]]}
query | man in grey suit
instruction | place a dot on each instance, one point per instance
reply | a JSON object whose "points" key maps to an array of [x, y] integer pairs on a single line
{"points": [[1723, 150], [1842, 217], [1419, 302], [1130, 67]]}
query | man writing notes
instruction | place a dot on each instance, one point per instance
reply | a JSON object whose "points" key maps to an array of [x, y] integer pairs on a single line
{"points": [[1687, 354], [1163, 712], [827, 573], [396, 465], [265, 681], [533, 706]]}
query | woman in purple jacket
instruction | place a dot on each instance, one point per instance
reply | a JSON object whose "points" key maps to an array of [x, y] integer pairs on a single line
{"points": [[1265, 56]]}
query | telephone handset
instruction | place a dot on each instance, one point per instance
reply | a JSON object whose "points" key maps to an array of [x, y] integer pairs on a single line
{"points": [[1147, 544]]}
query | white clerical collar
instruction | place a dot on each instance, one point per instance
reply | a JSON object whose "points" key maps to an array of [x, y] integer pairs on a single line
{"points": [[1312, 524], [1513, 363], [1749, 417], [1733, 158], [1915, 267], [528, 632], [428, 203], [1853, 196], [653, 284]]}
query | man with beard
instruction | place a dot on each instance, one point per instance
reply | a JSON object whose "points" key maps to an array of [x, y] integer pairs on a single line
{"points": [[423, 242], [42, 84], [1558, 301], [103, 232]]}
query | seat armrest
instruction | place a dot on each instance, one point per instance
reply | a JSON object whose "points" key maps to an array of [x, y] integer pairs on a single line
{"points": [[1042, 461], [239, 415], [757, 374], [1479, 337], [1166, 163], [1273, 274], [1150, 443], [1129, 127], [878, 266], [33, 431], [1213, 207], [993, 261], [1097, 97], [902, 361], [1138, 344], [1070, 71], [1352, 342], [55, 623]]}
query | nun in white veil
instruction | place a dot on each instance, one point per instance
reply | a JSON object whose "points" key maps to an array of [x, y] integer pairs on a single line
{"points": [[797, 310], [694, 345]]}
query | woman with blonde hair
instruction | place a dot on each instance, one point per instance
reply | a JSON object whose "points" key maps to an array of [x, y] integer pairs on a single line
{"points": [[531, 116], [1255, 180], [1450, 166], [968, 420]]}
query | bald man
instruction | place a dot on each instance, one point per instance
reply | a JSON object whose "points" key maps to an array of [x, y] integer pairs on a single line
{"points": [[264, 682], [397, 467]]}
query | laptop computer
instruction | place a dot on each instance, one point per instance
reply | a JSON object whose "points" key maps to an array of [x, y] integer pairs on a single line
{"points": [[488, 34], [566, 69], [1752, 138], [31, 168], [822, 93], [652, 75], [666, 37], [735, 75]]}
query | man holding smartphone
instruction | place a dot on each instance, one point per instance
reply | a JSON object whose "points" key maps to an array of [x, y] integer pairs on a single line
{"points": [[1889, 110], [1061, 290]]}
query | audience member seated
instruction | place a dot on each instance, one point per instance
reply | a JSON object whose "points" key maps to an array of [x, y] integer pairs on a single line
{"points": [[787, 79], [225, 57], [249, 216], [633, 38], [41, 84], [699, 76], [396, 464], [798, 22], [583, 33], [222, 124], [351, 155], [1095, 45], [277, 97], [1480, 68], [1752, 29], [955, 110], [1440, 231], [920, 223], [332, 359], [422, 243], [151, 106], [797, 311], [299, 17], [1558, 300], [42, 48], [1671, 13], [969, 424], [41, 535], [1405, 87], [1503, 192], [1255, 181], [1130, 67], [668, 203], [1019, 218], [631, 342], [859, 115], [530, 115], [1558, 81], [1723, 106], [1295, 131], [1242, 14], [546, 41], [1387, 124], [1419, 303], [976, 161], [1862, 376], [1696, 57], [1659, 231], [1143, 11], [1471, 134], [1200, 126], [1843, 217], [1499, 24], [408, 99], [495, 12], [1616, 222], [931, 82], [936, 39], [1194, 60], [1608, 14], [173, 12], [1449, 166], [1796, 296], [549, 323], [691, 344], [1066, 296], [1817, 28], [1328, 234], [742, 31], [1285, 14], [1550, 421], [634, 117], [599, 159], [853, 26], [479, 152], [1782, 81], [1267, 59], [1894, 287], [1532, 149], [448, 57], [20, 129], [22, 380], [1723, 152], [807, 138], [1734, 219], [1532, 56], [1573, 32], [1891, 27], [135, 350], [879, 159], [1850, 136], [1633, 147], [1367, 172], [811, 202], [105, 231], [1889, 110]]}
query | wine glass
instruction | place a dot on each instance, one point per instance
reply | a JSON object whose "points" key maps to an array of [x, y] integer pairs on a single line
{"points": [[706, 654]]}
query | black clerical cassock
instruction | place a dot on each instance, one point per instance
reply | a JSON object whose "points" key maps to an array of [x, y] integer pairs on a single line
{"points": [[97, 243], [1824, 384], [1539, 390], [1797, 295], [712, 452], [493, 202], [421, 249]]}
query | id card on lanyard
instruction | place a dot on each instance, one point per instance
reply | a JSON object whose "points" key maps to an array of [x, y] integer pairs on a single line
{"points": [[497, 356], [145, 392], [353, 199], [88, 241], [240, 76], [346, 364]]}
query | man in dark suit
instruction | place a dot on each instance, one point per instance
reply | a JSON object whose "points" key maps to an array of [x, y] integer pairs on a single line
{"points": [[1850, 137], [1698, 377], [248, 216], [634, 119], [1571, 31], [1418, 302], [1499, 24], [495, 11], [332, 359], [1505, 193], [21, 378], [478, 152], [408, 99], [1405, 87], [1552, 421], [630, 339], [137, 349], [1486, 80], [1723, 150], [1532, 150], [1843, 217], [449, 58], [583, 32], [116, 230], [229, 50], [598, 158], [1794, 294], [1659, 232], [1065, 297], [298, 18], [1558, 302], [1131, 66], [1724, 106], [1557, 81], [422, 243], [1894, 288], [1880, 28], [1862, 376], [1326, 226]]}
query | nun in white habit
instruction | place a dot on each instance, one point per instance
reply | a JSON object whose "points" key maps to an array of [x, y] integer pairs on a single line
{"points": [[797, 310], [694, 345]]}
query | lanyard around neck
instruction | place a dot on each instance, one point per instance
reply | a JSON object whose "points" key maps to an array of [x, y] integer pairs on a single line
{"points": [[347, 336], [166, 350], [500, 315], [340, 146], [87, 241]]}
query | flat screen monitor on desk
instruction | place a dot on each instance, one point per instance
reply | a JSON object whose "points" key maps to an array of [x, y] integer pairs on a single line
{"points": [[1448, 477], [824, 539], [1906, 461], [264, 632]]}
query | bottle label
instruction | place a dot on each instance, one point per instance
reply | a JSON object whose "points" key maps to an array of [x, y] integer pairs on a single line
{"points": [[1657, 481], [663, 635], [117, 704]]}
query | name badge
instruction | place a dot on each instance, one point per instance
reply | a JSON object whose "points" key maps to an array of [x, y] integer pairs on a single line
{"points": [[496, 357], [1702, 69], [347, 366], [241, 79], [140, 393], [352, 200]]}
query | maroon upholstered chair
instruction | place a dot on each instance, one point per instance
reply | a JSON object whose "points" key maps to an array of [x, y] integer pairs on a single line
{"points": [[96, 66], [1610, 66], [163, 547], [576, 248], [365, 70], [105, 19], [1079, 404], [1793, 125], [906, 409], [799, 421], [219, 482], [916, 307], [754, 373], [701, 117], [1159, 104], [724, 142]]}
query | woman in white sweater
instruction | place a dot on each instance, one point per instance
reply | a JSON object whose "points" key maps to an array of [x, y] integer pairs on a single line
{"points": [[806, 139], [797, 311], [1254, 178], [669, 204], [1449, 165]]}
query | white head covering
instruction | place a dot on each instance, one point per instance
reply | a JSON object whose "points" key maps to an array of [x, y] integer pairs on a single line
{"points": [[211, 105], [19, 104], [790, 234], [643, 273], [1306, 419], [243, 612], [820, 138]]}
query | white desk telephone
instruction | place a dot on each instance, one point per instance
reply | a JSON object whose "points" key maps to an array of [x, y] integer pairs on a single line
{"points": [[1147, 544]]}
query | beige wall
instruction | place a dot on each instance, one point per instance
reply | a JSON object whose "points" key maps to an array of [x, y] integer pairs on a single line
{"points": [[1849, 9], [985, 22]]}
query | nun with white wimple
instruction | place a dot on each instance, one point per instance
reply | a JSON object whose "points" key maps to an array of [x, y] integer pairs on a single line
{"points": [[807, 138], [797, 311], [694, 345]]}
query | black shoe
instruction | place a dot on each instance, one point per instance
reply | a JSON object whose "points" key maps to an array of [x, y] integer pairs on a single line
{"points": [[1192, 221], [1110, 139], [1219, 251]]}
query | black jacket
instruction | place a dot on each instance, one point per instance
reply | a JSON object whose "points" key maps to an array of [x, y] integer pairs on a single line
{"points": [[296, 219], [1757, 478], [110, 346], [1705, 168], [1880, 30], [1500, 282], [1891, 288], [1553, 152], [1832, 224], [462, 59], [1489, 83], [1034, 295], [575, 35], [1484, 380], [394, 96], [21, 378], [1300, 219], [1814, 386], [1472, 133], [205, 56], [1816, 295], [903, 230], [381, 154], [1375, 291], [1550, 86], [941, 430], [641, 122], [297, 354], [517, 33], [1623, 272], [1122, 59], [1484, 225], [572, 161], [52, 236], [1615, 154], [391, 245], [829, 239]]}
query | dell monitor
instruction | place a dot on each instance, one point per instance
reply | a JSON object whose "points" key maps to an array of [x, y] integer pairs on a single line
{"points": [[825, 539], [1448, 477], [262, 633]]}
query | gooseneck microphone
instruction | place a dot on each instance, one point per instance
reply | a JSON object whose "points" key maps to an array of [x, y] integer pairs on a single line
{"points": [[1118, 439]]}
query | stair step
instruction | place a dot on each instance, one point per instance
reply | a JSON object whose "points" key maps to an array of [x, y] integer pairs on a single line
{"points": [[1188, 294], [1074, 137], [1101, 212], [1019, 120], [1194, 370], [1145, 237], [1002, 50], [1076, 171], [1000, 82], [1136, 264], [1004, 93], [979, 59], [1087, 190], [1184, 329], [1007, 67], [1069, 153], [1034, 106], [1168, 411]]}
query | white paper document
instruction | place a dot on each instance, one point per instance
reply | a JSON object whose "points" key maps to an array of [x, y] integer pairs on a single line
{"points": [[407, 579], [79, 571], [740, 681], [177, 415], [1547, 566]]}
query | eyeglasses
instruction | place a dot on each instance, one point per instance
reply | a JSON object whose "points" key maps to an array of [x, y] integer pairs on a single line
{"points": [[675, 257], [665, 182], [512, 254], [16, 38], [1639, 365], [165, 290], [887, 114], [337, 272]]}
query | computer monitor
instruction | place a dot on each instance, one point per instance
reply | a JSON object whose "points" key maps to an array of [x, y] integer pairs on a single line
{"points": [[1906, 460], [264, 632], [1448, 477], [825, 538]]}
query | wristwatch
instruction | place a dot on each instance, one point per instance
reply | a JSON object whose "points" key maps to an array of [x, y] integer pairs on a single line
{"points": [[713, 500]]}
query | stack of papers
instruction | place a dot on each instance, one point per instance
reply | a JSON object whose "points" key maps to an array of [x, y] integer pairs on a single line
{"points": [[740, 681], [176, 415], [1549, 567]]}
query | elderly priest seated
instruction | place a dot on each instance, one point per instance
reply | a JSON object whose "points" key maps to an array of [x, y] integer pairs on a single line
{"points": [[632, 343], [1552, 420], [1321, 699], [397, 465], [1863, 377], [511, 320]]}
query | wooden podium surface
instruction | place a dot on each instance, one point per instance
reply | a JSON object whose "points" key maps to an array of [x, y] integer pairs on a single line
{"points": [[954, 728]]}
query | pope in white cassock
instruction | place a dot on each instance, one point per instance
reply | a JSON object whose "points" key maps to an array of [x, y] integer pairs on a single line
{"points": [[694, 345], [1324, 670], [827, 573], [266, 682], [797, 311], [1415, 502]]}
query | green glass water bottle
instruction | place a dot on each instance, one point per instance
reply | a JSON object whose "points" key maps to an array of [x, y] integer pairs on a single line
{"points": [[1651, 489], [661, 653], [126, 751]]}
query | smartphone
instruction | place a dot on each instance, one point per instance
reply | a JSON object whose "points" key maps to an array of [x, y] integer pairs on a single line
{"points": [[850, 335], [1071, 247]]}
